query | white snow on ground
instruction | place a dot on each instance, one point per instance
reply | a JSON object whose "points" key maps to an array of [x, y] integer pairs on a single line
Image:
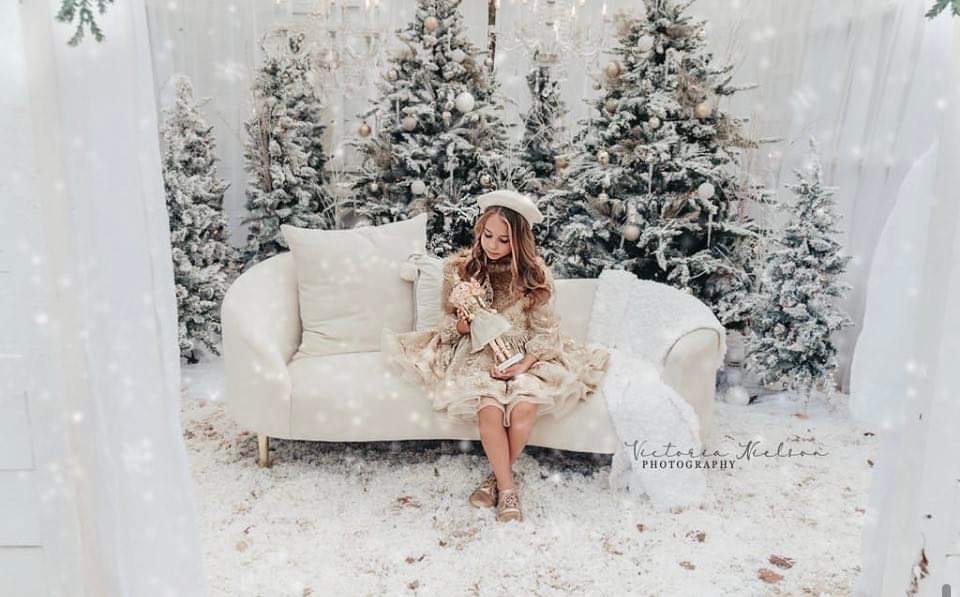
{"points": [[393, 518]]}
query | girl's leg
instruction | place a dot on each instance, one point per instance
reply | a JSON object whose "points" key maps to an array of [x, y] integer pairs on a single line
{"points": [[522, 418], [493, 437]]}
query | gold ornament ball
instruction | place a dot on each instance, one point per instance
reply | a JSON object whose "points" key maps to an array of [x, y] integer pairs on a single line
{"points": [[631, 231], [603, 157], [610, 105], [654, 122], [392, 74], [431, 24], [364, 130], [703, 110], [409, 123], [613, 69]]}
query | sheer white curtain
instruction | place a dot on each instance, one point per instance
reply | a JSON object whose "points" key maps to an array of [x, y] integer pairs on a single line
{"points": [[904, 378], [117, 494]]}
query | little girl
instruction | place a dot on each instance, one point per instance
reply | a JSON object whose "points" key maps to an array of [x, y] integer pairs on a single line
{"points": [[555, 373]]}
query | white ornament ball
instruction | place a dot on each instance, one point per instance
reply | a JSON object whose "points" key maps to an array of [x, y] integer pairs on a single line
{"points": [[465, 102], [431, 24], [631, 231], [613, 69], [392, 74], [603, 197], [645, 43], [603, 157], [703, 110], [364, 130], [610, 105], [409, 123], [458, 55], [654, 122], [736, 395], [418, 187], [374, 187], [706, 190]]}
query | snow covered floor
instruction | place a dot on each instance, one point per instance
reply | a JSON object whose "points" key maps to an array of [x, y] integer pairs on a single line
{"points": [[393, 518]]}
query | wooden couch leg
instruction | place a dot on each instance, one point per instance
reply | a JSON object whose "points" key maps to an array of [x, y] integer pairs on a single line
{"points": [[263, 450]]}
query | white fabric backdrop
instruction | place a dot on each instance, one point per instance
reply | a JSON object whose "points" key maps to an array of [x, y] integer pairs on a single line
{"points": [[863, 77], [105, 377], [904, 375]]}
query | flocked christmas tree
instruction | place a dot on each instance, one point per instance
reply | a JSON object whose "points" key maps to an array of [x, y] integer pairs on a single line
{"points": [[203, 262], [284, 152], [656, 185], [793, 316], [434, 136], [543, 147]]}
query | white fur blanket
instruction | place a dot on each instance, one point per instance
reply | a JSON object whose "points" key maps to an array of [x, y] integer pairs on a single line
{"points": [[639, 321]]}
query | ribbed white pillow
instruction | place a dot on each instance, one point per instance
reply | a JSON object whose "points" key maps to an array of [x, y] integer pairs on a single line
{"points": [[426, 291], [350, 286]]}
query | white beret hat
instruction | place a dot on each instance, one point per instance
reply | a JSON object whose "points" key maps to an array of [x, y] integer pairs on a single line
{"points": [[518, 202]]}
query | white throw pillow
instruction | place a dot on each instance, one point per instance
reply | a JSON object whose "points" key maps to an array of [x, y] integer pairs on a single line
{"points": [[349, 283], [426, 291]]}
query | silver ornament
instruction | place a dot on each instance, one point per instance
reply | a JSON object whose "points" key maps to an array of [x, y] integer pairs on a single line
{"points": [[465, 102], [705, 190]]}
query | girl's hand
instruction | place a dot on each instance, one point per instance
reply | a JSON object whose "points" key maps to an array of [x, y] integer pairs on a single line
{"points": [[463, 325], [513, 370]]}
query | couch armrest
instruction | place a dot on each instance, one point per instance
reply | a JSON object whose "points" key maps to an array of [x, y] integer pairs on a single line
{"points": [[689, 368], [260, 318]]}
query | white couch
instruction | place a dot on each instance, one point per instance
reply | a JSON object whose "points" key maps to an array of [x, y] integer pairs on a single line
{"points": [[354, 397]]}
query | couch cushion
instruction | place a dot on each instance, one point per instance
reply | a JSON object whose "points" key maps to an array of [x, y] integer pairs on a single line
{"points": [[574, 305], [349, 283], [356, 397]]}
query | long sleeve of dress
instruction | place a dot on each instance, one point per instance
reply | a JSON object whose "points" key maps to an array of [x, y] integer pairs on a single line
{"points": [[448, 324], [544, 341]]}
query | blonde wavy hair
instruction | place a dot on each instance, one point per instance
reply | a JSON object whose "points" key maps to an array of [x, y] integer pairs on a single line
{"points": [[529, 276]]}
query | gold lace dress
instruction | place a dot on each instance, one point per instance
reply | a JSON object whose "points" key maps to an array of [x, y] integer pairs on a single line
{"points": [[458, 381]]}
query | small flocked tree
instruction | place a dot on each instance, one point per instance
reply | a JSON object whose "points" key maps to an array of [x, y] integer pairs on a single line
{"points": [[657, 187], [543, 146], [203, 262], [793, 319], [284, 153], [434, 137]]}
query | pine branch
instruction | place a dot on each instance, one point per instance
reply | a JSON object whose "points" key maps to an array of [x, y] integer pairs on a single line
{"points": [[941, 5], [83, 11]]}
